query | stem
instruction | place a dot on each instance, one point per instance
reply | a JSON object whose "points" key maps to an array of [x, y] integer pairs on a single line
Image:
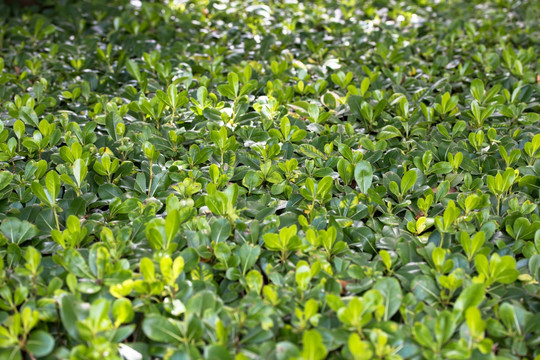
{"points": [[56, 219], [122, 143], [442, 240], [35, 281], [172, 116], [29, 354], [233, 116], [311, 211], [151, 177], [406, 127]]}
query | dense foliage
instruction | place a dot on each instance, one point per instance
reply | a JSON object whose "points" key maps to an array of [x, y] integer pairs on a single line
{"points": [[270, 180]]}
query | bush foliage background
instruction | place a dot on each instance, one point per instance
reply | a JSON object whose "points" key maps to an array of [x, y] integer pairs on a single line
{"points": [[279, 180]]}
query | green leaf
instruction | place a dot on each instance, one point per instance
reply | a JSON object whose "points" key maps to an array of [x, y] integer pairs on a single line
{"points": [[161, 329], [68, 314], [111, 122], [19, 129], [324, 187], [122, 311], [39, 192], [217, 352], [254, 281], [408, 181], [40, 343], [311, 151], [109, 191], [534, 266], [472, 246], [345, 170], [359, 349], [314, 348], [388, 132], [133, 69], [248, 256], [474, 322], [440, 168], [477, 89], [508, 315], [195, 328], [355, 104], [422, 335], [303, 275], [445, 326], [17, 231], [29, 116], [13, 353], [5, 179], [227, 91], [220, 230], [472, 295], [52, 183], [172, 225], [363, 174], [79, 171], [391, 291], [204, 304], [33, 259], [148, 270]]}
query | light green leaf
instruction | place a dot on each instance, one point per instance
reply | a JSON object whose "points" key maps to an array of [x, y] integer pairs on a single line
{"points": [[363, 174]]}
